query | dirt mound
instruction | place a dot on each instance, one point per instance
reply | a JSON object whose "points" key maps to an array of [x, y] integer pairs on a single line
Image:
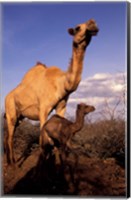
{"points": [[87, 171], [90, 176]]}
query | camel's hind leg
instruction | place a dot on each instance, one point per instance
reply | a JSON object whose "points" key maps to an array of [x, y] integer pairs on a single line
{"points": [[9, 141], [11, 118]]}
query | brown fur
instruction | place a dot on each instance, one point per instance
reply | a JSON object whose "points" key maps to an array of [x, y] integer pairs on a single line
{"points": [[43, 89], [60, 130]]}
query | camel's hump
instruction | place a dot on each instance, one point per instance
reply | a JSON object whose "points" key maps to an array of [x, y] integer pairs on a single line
{"points": [[39, 63]]}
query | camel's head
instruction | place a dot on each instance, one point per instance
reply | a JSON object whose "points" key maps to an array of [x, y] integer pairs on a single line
{"points": [[83, 32], [85, 108]]}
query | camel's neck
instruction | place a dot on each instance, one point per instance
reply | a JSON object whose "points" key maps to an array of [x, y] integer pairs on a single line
{"points": [[78, 124], [76, 66]]}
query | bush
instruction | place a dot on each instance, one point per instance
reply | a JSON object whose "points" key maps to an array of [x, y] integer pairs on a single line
{"points": [[103, 139]]}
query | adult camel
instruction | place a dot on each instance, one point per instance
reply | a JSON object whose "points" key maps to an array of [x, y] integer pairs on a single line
{"points": [[43, 89]]}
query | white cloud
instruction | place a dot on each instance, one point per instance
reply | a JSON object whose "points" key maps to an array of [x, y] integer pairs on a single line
{"points": [[118, 88], [98, 88], [101, 76]]}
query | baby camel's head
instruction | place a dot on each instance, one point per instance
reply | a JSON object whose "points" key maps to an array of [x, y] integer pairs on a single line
{"points": [[85, 108]]}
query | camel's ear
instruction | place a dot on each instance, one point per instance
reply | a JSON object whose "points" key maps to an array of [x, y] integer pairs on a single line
{"points": [[71, 31]]}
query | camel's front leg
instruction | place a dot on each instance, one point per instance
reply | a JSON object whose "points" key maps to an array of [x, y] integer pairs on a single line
{"points": [[44, 138], [61, 107]]}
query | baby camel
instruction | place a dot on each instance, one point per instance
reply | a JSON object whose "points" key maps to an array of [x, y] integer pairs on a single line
{"points": [[61, 130]]}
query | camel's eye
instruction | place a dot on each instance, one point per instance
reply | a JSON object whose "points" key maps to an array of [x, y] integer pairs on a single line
{"points": [[77, 28]]}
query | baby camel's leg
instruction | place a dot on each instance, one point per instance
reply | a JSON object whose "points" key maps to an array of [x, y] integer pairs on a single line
{"points": [[56, 152]]}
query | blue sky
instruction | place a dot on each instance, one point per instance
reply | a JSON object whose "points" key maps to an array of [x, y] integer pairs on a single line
{"points": [[34, 32]]}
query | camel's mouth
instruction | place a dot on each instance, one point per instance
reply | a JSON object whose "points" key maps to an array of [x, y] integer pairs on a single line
{"points": [[92, 27], [93, 32], [90, 109]]}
